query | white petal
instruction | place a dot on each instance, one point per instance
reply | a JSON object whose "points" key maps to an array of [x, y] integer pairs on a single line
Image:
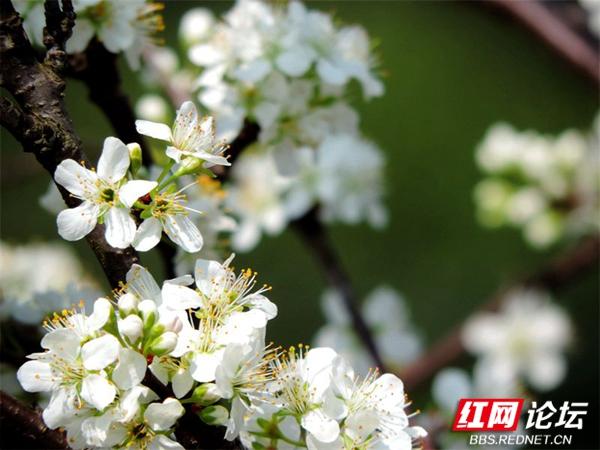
{"points": [[147, 235], [100, 352], [154, 129], [204, 366], [330, 73], [264, 304], [36, 376], [130, 370], [97, 391], [185, 124], [182, 383], [162, 442], [75, 178], [183, 232], [162, 416], [83, 32], [132, 190], [179, 297], [114, 161], [101, 314], [64, 342], [60, 409], [209, 274], [75, 223], [294, 62], [142, 284], [320, 426], [120, 227]]}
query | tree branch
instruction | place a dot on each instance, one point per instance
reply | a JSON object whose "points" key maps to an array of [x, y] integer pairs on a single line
{"points": [[311, 231], [97, 68], [556, 276], [24, 428], [44, 128], [555, 33]]}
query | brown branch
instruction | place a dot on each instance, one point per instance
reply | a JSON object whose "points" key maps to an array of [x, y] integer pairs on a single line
{"points": [[97, 68], [556, 276], [555, 33], [59, 26], [23, 427], [45, 128], [311, 231]]}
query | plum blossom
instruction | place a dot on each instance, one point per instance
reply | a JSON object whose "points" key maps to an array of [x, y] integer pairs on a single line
{"points": [[106, 195], [386, 314], [191, 139], [545, 185], [120, 26], [525, 340]]}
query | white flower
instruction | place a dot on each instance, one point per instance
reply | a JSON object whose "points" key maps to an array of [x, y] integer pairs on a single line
{"points": [[30, 295], [70, 372], [302, 385], [525, 339], [168, 212], [105, 194], [191, 136], [255, 199], [228, 309], [544, 184], [373, 410], [152, 107], [352, 190], [386, 315], [195, 25]]}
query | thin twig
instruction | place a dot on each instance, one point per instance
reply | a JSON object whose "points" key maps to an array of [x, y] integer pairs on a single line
{"points": [[23, 427], [314, 234], [557, 275], [555, 33]]}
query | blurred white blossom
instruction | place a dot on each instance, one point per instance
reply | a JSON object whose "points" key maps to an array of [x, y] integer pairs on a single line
{"points": [[524, 341], [547, 186], [29, 295], [121, 26], [386, 314]]}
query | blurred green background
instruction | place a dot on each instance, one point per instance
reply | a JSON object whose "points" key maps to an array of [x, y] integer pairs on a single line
{"points": [[453, 69]]}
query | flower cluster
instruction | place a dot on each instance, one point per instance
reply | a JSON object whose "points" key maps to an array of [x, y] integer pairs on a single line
{"points": [[548, 186], [123, 375], [120, 26], [386, 314], [524, 342], [289, 70], [316, 400], [117, 195], [28, 295]]}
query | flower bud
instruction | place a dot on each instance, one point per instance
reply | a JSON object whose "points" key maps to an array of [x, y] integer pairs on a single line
{"points": [[148, 310], [127, 303], [189, 165], [214, 415], [206, 394], [171, 323], [131, 327], [163, 344], [135, 156]]}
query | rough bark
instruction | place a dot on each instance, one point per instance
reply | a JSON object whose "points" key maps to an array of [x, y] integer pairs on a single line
{"points": [[39, 120], [23, 427]]}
